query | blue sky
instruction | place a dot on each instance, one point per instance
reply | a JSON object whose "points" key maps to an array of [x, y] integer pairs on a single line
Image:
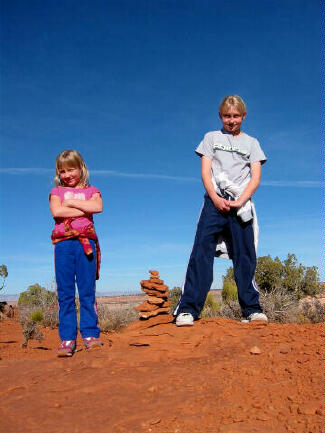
{"points": [[134, 86]]}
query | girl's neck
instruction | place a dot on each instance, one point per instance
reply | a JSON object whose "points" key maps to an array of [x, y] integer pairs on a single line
{"points": [[74, 187]]}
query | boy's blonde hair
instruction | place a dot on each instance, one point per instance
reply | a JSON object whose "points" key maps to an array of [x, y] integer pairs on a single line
{"points": [[232, 100], [71, 158]]}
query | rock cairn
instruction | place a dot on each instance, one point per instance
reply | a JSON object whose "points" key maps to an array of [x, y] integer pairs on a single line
{"points": [[157, 297]]}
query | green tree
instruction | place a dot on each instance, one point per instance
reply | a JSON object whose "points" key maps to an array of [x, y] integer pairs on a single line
{"points": [[3, 275], [293, 274], [229, 290], [229, 275], [268, 273], [310, 284], [38, 296], [272, 274]]}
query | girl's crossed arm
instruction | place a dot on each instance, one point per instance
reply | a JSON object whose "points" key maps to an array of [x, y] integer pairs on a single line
{"points": [[58, 210], [93, 205]]}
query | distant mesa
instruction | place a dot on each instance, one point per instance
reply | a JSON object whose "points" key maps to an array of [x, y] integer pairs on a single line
{"points": [[156, 297]]}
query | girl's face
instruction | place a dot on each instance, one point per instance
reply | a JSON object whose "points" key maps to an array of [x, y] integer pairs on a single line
{"points": [[231, 119], [70, 176]]}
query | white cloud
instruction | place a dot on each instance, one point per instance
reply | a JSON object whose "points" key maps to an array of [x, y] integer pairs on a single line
{"points": [[112, 173], [292, 183]]}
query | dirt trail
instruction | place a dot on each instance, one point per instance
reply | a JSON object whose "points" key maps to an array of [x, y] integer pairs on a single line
{"points": [[164, 379]]}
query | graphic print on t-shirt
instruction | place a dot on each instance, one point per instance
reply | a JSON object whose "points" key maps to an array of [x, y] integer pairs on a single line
{"points": [[77, 195], [228, 148]]}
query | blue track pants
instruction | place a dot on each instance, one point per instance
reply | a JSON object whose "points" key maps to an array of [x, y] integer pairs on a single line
{"points": [[199, 275], [73, 266]]}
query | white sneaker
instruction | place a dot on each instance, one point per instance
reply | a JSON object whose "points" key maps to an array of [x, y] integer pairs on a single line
{"points": [[257, 316], [184, 319]]}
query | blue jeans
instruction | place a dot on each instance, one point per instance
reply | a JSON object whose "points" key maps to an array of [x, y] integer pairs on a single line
{"points": [[73, 266], [199, 275]]}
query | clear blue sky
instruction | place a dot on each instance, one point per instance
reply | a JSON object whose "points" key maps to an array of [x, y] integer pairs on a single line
{"points": [[134, 86]]}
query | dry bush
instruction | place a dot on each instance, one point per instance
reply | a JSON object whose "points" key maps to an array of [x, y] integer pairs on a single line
{"points": [[280, 306], [49, 314], [230, 310], [115, 320], [31, 331], [313, 310]]}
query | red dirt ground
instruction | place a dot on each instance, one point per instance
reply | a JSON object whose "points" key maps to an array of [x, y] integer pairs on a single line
{"points": [[164, 379]]}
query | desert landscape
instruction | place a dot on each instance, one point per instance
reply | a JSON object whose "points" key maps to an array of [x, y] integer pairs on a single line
{"points": [[220, 376]]}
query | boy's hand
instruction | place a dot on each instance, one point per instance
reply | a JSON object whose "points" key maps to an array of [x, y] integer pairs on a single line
{"points": [[221, 204], [236, 203]]}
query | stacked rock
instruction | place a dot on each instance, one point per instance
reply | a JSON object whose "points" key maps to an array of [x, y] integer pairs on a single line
{"points": [[157, 297]]}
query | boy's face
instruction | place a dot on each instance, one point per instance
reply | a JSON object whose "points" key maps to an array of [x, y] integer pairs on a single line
{"points": [[231, 119]]}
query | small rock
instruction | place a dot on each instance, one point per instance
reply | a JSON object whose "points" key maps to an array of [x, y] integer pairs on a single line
{"points": [[139, 343], [255, 350], [57, 405], [156, 280], [156, 300], [153, 388], [152, 292], [146, 315], [155, 421], [262, 418], [145, 306]]}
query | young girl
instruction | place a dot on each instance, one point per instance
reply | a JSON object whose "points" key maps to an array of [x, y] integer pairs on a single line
{"points": [[77, 256]]}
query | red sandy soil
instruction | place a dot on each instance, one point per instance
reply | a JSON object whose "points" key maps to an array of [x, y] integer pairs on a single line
{"points": [[162, 379]]}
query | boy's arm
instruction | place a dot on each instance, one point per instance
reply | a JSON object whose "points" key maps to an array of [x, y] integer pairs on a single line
{"points": [[220, 203], [58, 210], [93, 205], [252, 186]]}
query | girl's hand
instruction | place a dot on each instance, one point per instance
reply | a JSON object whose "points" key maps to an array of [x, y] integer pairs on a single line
{"points": [[68, 203]]}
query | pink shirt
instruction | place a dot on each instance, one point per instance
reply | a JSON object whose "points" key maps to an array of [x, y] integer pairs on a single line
{"points": [[66, 193]]}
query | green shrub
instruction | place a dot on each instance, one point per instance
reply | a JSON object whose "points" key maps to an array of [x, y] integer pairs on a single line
{"points": [[288, 275], [174, 297], [229, 291], [37, 316], [211, 307], [37, 296], [3, 275]]}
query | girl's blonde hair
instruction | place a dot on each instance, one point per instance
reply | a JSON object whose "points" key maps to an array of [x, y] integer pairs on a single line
{"points": [[235, 101], [71, 158]]}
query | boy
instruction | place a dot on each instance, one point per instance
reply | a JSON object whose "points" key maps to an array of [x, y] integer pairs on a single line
{"points": [[231, 170]]}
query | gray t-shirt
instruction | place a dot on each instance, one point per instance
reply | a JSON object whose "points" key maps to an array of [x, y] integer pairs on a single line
{"points": [[231, 157]]}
